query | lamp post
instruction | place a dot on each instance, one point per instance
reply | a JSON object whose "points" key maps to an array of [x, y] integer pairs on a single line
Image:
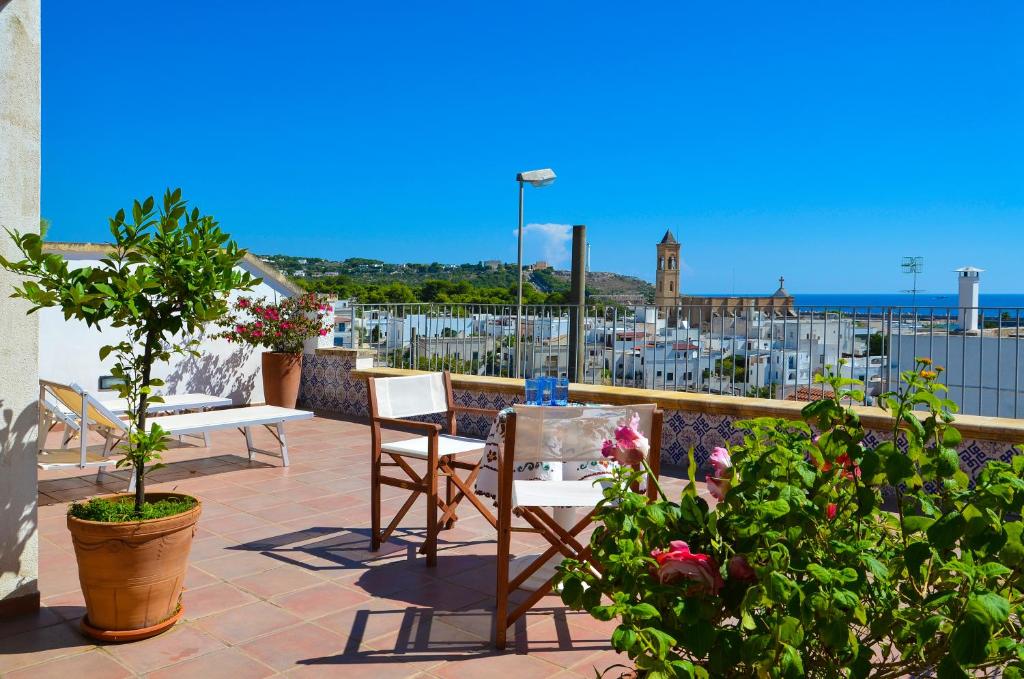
{"points": [[537, 179]]}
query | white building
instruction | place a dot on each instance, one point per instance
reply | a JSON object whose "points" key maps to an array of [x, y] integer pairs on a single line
{"points": [[69, 349], [969, 283]]}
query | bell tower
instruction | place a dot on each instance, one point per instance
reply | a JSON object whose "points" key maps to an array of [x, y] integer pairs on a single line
{"points": [[666, 283]]}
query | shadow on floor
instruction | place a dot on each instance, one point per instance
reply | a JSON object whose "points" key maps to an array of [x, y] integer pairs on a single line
{"points": [[74, 488]]}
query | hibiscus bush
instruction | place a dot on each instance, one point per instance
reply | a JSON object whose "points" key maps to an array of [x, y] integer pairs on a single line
{"points": [[824, 555], [282, 327]]}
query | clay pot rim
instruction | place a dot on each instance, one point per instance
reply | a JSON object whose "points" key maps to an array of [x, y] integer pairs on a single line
{"points": [[127, 636], [284, 353], [139, 522]]}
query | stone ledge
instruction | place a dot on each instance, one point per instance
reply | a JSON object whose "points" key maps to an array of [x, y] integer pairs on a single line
{"points": [[344, 351], [970, 426]]}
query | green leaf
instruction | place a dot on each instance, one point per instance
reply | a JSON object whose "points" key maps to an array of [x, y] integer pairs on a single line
{"points": [[915, 524], [951, 437], [644, 611], [898, 467], [989, 609], [945, 532], [1012, 553], [915, 555], [969, 640], [623, 638], [949, 668], [773, 509]]}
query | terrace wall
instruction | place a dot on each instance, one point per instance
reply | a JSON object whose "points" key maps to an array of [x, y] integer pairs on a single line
{"points": [[20, 128], [334, 380]]}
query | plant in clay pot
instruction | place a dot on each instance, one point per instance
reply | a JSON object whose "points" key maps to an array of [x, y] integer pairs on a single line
{"points": [[282, 328], [168, 273]]}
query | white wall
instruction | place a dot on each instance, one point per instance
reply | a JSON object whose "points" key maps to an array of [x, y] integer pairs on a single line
{"points": [[69, 352], [19, 209]]}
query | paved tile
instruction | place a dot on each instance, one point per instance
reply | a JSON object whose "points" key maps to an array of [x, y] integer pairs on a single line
{"points": [[213, 599], [228, 663], [247, 622], [95, 663], [304, 643], [281, 580], [38, 645], [319, 600], [182, 642]]}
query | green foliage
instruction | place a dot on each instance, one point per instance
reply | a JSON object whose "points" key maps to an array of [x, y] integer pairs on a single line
{"points": [[284, 326], [878, 344], [114, 511], [167, 275], [818, 575]]}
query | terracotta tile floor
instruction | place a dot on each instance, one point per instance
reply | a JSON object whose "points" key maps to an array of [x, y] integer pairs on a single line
{"points": [[281, 581]]}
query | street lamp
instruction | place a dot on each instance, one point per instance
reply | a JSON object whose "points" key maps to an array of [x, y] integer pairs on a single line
{"points": [[537, 179]]}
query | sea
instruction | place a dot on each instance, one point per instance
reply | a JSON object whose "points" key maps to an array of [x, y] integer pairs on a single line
{"points": [[994, 304]]}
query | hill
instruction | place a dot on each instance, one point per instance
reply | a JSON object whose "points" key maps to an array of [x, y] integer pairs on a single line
{"points": [[370, 279]]}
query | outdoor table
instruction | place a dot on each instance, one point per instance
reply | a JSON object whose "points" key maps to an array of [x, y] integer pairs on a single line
{"points": [[487, 485]]}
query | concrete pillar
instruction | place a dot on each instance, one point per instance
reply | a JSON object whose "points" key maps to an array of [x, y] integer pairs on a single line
{"points": [[578, 298], [19, 333]]}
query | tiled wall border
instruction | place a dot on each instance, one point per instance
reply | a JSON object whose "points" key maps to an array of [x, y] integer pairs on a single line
{"points": [[334, 380]]}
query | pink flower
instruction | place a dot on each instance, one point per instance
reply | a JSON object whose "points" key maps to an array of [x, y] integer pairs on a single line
{"points": [[243, 303], [678, 562], [323, 331], [721, 460], [739, 569], [630, 447], [830, 510], [720, 480]]}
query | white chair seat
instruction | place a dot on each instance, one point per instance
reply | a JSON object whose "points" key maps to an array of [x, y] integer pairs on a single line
{"points": [[556, 493], [446, 445]]}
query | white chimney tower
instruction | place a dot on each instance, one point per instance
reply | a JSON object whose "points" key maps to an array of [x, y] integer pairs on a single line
{"points": [[969, 281]]}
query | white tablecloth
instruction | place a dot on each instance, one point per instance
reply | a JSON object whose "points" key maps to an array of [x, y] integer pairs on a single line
{"points": [[487, 481]]}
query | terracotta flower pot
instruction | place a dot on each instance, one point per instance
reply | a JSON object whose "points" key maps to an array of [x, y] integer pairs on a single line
{"points": [[282, 373], [132, 573]]}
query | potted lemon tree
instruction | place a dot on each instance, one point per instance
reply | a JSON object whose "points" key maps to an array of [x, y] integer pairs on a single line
{"points": [[168, 273]]}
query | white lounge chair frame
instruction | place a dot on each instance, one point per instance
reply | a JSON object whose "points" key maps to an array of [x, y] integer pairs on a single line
{"points": [[91, 410], [174, 403]]}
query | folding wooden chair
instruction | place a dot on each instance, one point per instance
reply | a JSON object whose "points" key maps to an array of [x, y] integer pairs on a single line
{"points": [[392, 399], [566, 434]]}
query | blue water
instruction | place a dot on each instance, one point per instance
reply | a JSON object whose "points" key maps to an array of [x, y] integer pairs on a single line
{"points": [[872, 301]]}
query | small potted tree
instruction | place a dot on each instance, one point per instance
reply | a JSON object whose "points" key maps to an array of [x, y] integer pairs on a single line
{"points": [[168, 273], [283, 329]]}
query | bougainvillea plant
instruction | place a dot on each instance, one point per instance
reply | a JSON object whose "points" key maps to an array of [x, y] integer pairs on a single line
{"points": [[282, 327], [824, 556]]}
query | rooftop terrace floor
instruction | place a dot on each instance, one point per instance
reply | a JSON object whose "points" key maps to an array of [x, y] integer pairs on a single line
{"points": [[280, 579]]}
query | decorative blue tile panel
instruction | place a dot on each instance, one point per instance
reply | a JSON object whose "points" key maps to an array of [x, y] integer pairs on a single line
{"points": [[328, 384]]}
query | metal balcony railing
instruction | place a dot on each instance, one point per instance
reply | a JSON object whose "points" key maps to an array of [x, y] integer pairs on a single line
{"points": [[757, 350]]}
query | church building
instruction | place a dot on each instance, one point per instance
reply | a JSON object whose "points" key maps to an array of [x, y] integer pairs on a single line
{"points": [[668, 297]]}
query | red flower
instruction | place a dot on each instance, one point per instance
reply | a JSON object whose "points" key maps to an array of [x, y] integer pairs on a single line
{"points": [[323, 331], [850, 470], [678, 562], [830, 510]]}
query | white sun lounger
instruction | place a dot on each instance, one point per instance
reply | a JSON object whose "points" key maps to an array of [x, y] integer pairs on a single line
{"points": [[174, 403], [92, 411]]}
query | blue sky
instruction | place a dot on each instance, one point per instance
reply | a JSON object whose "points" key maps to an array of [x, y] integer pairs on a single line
{"points": [[822, 141]]}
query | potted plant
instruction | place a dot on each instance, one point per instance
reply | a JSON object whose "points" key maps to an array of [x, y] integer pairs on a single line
{"points": [[168, 273], [283, 329], [828, 554]]}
